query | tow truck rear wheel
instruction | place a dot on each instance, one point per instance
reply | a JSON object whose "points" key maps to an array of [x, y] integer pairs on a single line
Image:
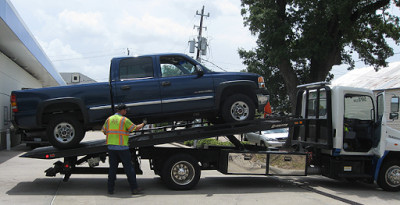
{"points": [[389, 176], [237, 108], [181, 172], [64, 131]]}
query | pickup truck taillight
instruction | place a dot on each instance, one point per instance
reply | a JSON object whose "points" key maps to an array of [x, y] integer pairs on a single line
{"points": [[14, 103], [261, 83]]}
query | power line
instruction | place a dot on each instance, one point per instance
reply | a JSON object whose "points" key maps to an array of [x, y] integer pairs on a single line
{"points": [[214, 64]]}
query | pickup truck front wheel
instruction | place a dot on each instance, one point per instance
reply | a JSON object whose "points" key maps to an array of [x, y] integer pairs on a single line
{"points": [[65, 131], [237, 108]]}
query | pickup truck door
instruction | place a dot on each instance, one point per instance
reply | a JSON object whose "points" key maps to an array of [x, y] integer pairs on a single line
{"points": [[182, 89], [137, 87]]}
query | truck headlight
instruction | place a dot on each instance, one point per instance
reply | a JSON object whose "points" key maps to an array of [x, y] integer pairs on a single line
{"points": [[261, 83]]}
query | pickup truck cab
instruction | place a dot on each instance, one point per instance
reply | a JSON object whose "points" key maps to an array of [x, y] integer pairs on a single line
{"points": [[160, 88]]}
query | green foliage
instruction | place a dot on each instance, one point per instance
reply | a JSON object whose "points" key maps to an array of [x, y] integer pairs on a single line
{"points": [[170, 70], [300, 40], [207, 141]]}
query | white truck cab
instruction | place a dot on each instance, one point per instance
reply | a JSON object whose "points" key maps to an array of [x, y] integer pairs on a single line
{"points": [[351, 132]]}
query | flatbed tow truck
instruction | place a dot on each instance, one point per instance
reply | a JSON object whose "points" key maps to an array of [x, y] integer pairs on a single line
{"points": [[338, 132]]}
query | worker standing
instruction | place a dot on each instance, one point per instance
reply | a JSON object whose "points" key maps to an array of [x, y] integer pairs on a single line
{"points": [[117, 128]]}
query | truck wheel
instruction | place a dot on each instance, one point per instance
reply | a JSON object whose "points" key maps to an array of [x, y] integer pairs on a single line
{"points": [[389, 176], [237, 108], [65, 131], [181, 172]]}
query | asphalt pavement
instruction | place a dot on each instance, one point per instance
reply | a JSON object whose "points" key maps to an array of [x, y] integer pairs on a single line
{"points": [[23, 181]]}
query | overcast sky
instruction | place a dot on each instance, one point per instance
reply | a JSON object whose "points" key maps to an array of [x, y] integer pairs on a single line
{"points": [[83, 35]]}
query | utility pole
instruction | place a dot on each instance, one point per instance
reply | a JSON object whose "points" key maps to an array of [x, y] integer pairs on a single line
{"points": [[201, 42]]}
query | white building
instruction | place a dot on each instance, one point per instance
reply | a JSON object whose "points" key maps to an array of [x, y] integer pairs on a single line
{"points": [[76, 78], [23, 64]]}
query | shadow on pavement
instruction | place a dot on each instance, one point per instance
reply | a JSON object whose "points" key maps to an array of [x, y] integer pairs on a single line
{"points": [[153, 186], [6, 155], [208, 186]]}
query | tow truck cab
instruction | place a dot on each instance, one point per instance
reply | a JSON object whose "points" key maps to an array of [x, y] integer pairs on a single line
{"points": [[347, 132]]}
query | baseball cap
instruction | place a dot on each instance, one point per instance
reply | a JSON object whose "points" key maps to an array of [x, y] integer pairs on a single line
{"points": [[121, 106]]}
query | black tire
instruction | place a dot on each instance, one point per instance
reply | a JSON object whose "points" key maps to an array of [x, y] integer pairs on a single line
{"points": [[262, 144], [389, 176], [65, 131], [181, 172], [238, 108]]}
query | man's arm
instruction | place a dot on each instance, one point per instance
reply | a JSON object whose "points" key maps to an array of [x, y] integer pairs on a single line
{"points": [[105, 127], [132, 127], [140, 126]]}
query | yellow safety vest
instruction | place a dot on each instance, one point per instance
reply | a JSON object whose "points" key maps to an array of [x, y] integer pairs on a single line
{"points": [[117, 129]]}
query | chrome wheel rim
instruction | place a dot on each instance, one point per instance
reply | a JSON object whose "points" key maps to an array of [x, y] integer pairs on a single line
{"points": [[64, 132], [182, 173], [240, 111], [392, 176]]}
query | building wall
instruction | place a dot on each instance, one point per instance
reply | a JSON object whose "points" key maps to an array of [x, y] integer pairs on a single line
{"points": [[12, 77]]}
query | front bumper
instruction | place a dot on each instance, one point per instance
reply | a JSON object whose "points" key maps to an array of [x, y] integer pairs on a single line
{"points": [[262, 98], [274, 144]]}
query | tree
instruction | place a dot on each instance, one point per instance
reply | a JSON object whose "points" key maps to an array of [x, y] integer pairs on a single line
{"points": [[300, 40]]}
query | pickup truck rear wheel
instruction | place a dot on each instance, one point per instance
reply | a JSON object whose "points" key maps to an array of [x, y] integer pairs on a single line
{"points": [[237, 108], [181, 172], [389, 176], [65, 131]]}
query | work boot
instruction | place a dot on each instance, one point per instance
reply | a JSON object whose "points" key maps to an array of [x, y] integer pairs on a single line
{"points": [[138, 191]]}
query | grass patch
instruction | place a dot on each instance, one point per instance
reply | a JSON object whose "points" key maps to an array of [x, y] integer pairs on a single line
{"points": [[207, 141]]}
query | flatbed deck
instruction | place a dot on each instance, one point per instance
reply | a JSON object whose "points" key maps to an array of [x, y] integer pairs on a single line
{"points": [[166, 135]]}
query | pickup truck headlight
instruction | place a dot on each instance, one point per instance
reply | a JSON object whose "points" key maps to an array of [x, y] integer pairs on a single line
{"points": [[261, 83]]}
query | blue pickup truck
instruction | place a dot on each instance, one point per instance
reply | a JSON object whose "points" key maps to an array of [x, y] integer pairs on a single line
{"points": [[160, 88]]}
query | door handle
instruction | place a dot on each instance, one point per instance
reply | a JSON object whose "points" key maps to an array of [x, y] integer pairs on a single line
{"points": [[125, 87], [166, 83]]}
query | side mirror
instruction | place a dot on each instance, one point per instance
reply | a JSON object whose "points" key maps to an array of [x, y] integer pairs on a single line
{"points": [[394, 104], [394, 116], [200, 71]]}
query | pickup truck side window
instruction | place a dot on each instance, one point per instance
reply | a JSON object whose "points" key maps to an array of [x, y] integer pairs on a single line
{"points": [[133, 68], [176, 66]]}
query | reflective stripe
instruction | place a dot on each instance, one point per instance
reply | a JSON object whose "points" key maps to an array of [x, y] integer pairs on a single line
{"points": [[132, 127], [108, 127], [113, 132], [122, 123]]}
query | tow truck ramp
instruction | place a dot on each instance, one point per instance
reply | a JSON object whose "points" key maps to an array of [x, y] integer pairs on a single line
{"points": [[162, 135], [239, 159]]}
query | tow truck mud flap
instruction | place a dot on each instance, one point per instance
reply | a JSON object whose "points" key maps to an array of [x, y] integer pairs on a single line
{"points": [[263, 163]]}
